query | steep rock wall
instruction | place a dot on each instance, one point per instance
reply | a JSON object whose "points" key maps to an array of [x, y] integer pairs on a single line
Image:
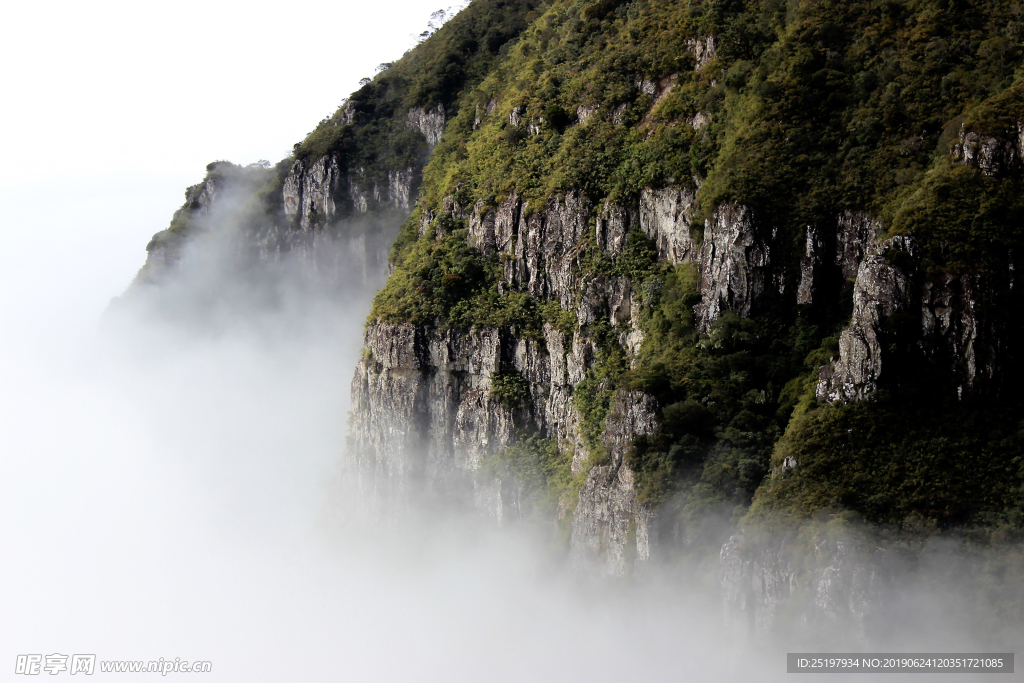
{"points": [[881, 290], [422, 404], [768, 580], [330, 222], [955, 318], [611, 529], [424, 414]]}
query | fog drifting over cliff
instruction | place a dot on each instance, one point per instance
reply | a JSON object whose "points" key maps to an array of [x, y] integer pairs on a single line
{"points": [[168, 481], [169, 491]]}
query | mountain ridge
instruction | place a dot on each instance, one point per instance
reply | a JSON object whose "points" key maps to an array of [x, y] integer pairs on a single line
{"points": [[677, 273]]}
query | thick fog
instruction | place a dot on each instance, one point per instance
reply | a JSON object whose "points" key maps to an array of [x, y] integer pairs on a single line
{"points": [[170, 490]]}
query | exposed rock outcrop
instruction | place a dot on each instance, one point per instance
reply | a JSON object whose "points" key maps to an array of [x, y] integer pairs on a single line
{"points": [[665, 217], [813, 248], [612, 226], [424, 414], [541, 249], [310, 192], [704, 51], [317, 194], [733, 260], [611, 528], [855, 233], [990, 155], [767, 580], [735, 264], [202, 196], [400, 184], [881, 290], [424, 418], [421, 397], [430, 122]]}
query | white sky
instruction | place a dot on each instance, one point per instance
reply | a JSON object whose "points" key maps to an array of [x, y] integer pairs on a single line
{"points": [[171, 86]]}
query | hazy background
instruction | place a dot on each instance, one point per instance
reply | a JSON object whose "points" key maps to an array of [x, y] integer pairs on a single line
{"points": [[164, 487]]}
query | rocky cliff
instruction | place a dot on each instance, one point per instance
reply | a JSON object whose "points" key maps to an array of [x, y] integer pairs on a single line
{"points": [[334, 206], [673, 271], [317, 221], [633, 263]]}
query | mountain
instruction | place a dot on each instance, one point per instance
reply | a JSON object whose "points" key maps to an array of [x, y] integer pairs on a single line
{"points": [[711, 282]]}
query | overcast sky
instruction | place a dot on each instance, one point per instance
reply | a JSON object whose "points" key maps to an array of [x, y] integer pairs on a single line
{"points": [[171, 86]]}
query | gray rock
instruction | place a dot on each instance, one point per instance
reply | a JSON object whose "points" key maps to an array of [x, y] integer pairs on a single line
{"points": [[315, 191], [734, 264], [611, 228], [202, 197], [319, 184], [400, 188], [515, 117], [611, 528], [881, 290], [988, 154], [423, 416], [699, 120], [665, 217], [703, 49], [810, 265], [347, 115], [763, 579], [430, 122], [545, 259], [481, 229], [855, 233]]}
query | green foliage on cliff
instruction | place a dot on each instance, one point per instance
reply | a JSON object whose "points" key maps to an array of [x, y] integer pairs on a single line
{"points": [[803, 110], [448, 273], [727, 398], [369, 132], [914, 458], [904, 463], [510, 390], [536, 478], [811, 108]]}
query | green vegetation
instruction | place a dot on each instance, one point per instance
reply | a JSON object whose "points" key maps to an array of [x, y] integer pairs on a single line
{"points": [[369, 131], [510, 390], [811, 108], [904, 464], [538, 478], [804, 109]]}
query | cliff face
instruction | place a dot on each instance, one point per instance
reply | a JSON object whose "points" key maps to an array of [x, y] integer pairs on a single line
{"points": [[664, 264], [333, 208], [424, 408], [422, 397], [623, 256], [838, 586], [312, 215]]}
